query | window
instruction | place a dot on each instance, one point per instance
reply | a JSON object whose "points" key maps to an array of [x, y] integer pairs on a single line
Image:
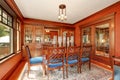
{"points": [[18, 36], [6, 34], [5, 18], [6, 42]]}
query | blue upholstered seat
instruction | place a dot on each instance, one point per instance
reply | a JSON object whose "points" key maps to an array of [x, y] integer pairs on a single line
{"points": [[55, 65], [116, 72], [72, 61], [84, 59], [36, 60]]}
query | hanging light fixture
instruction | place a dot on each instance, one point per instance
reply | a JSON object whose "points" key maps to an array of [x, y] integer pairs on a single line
{"points": [[62, 12]]}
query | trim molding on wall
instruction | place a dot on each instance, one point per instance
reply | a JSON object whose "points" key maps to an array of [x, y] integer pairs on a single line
{"points": [[44, 22], [14, 7]]}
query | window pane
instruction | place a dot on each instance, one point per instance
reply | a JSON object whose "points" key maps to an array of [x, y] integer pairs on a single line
{"points": [[18, 36], [0, 17], [9, 19], [17, 26], [6, 40], [0, 14], [0, 11], [9, 23], [18, 41], [4, 14], [4, 20]]}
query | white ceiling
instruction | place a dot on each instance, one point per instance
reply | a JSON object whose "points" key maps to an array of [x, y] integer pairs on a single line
{"points": [[76, 10]]}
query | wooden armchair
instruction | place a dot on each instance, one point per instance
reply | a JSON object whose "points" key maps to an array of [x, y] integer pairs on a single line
{"points": [[55, 59], [85, 55], [32, 61], [72, 58]]}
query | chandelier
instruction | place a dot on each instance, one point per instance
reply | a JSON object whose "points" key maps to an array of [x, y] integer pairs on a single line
{"points": [[62, 12]]}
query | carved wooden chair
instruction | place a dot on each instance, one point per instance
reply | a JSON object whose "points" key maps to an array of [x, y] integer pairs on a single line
{"points": [[72, 58], [55, 59], [32, 61], [85, 55]]}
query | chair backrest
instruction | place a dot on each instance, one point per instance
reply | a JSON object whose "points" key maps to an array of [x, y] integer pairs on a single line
{"points": [[28, 51], [56, 55], [73, 53], [86, 50]]}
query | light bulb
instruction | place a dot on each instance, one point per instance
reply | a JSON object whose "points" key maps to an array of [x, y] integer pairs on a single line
{"points": [[59, 17]]}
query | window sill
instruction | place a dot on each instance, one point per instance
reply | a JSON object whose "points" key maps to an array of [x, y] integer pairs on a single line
{"points": [[6, 58]]}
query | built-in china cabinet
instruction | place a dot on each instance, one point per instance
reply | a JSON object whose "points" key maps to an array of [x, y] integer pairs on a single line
{"points": [[39, 36], [34, 34], [100, 34]]}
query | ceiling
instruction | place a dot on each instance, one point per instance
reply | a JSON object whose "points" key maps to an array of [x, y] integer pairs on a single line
{"points": [[76, 10]]}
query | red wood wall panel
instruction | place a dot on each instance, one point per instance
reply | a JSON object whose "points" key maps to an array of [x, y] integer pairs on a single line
{"points": [[109, 10], [117, 33]]}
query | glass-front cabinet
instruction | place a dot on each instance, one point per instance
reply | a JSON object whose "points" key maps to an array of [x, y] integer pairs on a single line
{"points": [[39, 34], [102, 40], [68, 37], [34, 34], [28, 34], [86, 35], [100, 34]]}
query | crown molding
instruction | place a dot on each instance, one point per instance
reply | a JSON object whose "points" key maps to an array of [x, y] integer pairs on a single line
{"points": [[14, 7]]}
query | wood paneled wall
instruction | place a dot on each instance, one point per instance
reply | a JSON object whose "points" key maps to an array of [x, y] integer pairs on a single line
{"points": [[109, 10], [8, 66]]}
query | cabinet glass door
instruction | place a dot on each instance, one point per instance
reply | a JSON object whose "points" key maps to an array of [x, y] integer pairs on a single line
{"points": [[86, 35], [28, 34], [102, 40], [39, 34]]}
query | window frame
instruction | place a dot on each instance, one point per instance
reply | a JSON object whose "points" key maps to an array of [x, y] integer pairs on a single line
{"points": [[11, 34], [18, 28], [8, 15]]}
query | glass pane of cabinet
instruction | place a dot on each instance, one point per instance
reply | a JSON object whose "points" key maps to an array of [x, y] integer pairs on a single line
{"points": [[39, 34], [68, 38], [86, 35], [51, 36], [102, 40], [28, 34]]}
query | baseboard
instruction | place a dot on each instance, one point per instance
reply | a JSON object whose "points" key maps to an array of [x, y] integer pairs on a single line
{"points": [[102, 65]]}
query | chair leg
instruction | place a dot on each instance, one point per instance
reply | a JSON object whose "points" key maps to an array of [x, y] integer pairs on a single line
{"points": [[44, 69], [67, 71], [28, 70], [89, 65], [63, 73], [48, 74], [80, 67]]}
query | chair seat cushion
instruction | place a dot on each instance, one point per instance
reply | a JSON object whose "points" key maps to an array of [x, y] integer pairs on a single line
{"points": [[116, 72], [36, 60], [72, 61], [84, 59], [55, 65]]}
